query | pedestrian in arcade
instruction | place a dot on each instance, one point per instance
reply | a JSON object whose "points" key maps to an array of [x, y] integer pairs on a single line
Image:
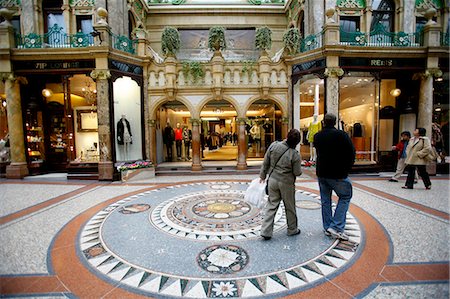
{"points": [[401, 149], [284, 163], [419, 147], [335, 158]]}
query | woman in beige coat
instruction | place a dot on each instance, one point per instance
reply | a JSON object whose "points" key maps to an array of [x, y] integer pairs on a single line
{"points": [[419, 147]]}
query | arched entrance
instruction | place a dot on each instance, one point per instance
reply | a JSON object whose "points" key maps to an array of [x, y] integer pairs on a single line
{"points": [[219, 131], [263, 126], [173, 132]]}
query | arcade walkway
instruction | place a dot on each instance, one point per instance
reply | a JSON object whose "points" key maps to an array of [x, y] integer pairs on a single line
{"points": [[172, 237]]}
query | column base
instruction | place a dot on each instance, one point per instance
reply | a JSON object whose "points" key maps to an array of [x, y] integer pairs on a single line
{"points": [[196, 167], [242, 166], [105, 171], [16, 170]]}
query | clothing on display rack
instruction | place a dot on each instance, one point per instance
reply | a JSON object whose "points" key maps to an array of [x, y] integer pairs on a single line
{"points": [[168, 138]]}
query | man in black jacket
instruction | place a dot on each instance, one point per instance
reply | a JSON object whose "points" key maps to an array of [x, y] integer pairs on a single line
{"points": [[335, 157]]}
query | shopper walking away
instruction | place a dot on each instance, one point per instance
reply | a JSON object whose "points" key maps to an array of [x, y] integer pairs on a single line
{"points": [[419, 147], [335, 157], [281, 166]]}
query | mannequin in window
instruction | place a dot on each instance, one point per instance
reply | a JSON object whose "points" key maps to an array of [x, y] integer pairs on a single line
{"points": [[168, 141], [124, 139], [314, 127], [255, 132], [268, 133], [187, 138], [178, 139]]}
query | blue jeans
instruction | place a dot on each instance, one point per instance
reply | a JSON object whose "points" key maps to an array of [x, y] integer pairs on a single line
{"points": [[344, 190]]}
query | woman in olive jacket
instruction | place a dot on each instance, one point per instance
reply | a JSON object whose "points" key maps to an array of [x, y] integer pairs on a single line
{"points": [[419, 147]]}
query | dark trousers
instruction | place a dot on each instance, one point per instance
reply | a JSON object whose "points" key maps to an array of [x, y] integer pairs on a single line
{"points": [[178, 145], [169, 151], [422, 170]]}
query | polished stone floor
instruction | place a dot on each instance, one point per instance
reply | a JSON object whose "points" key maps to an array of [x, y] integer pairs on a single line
{"points": [[196, 237]]}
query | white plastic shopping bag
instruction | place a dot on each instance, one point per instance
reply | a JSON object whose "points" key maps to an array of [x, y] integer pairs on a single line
{"points": [[256, 194]]}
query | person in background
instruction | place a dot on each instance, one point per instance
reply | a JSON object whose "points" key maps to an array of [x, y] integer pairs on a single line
{"points": [[284, 163], [168, 137], [401, 149], [187, 138], [178, 140], [419, 147], [335, 158]]}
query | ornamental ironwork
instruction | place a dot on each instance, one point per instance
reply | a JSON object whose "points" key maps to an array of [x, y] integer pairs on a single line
{"points": [[9, 3], [351, 4], [83, 3], [425, 4]]}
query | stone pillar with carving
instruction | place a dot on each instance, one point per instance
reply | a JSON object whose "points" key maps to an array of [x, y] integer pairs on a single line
{"points": [[242, 145], [431, 30], [152, 141], [217, 62], [196, 153], [170, 65], [264, 73], [18, 167], [102, 31], [285, 127], [331, 34], [332, 75], [425, 111], [105, 166]]}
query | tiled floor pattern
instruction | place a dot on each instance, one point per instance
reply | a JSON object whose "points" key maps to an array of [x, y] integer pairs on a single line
{"points": [[216, 216], [83, 263]]}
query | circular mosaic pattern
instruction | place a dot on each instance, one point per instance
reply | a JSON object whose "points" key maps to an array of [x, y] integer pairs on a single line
{"points": [[223, 259], [209, 214], [164, 258], [133, 209]]}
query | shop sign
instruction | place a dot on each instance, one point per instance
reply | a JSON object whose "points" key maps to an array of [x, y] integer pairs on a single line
{"points": [[383, 63], [54, 65]]}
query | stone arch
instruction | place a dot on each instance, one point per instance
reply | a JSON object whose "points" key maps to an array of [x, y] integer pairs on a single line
{"points": [[253, 99], [161, 100], [229, 99]]}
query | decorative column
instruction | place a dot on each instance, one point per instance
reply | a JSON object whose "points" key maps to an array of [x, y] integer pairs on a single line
{"points": [[105, 166], [331, 35], [242, 145], [152, 141], [18, 167], [332, 75], [264, 73], [196, 154], [425, 111], [285, 127]]}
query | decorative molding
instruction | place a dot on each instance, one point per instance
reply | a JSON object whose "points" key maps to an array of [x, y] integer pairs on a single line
{"points": [[285, 120], [152, 122], [100, 74], [195, 121], [15, 4], [351, 4], [426, 4], [10, 76], [333, 72], [82, 3]]}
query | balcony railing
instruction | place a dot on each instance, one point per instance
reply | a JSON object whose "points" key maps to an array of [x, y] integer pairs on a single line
{"points": [[311, 42], [54, 38], [123, 43], [379, 37]]}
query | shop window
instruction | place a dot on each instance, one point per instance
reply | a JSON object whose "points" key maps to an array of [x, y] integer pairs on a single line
{"points": [[358, 115], [348, 25], [84, 24], [53, 15], [383, 13]]}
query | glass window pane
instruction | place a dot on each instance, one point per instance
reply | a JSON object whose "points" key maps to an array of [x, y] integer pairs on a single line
{"points": [[86, 26], [56, 18]]}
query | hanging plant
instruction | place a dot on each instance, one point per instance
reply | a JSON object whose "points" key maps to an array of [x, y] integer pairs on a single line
{"points": [[216, 39], [170, 41], [263, 39], [193, 70], [291, 40]]}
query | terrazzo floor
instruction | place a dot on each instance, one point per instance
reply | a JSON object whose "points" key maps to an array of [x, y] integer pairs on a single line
{"points": [[196, 237]]}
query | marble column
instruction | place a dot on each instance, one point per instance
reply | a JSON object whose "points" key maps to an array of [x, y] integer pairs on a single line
{"points": [[18, 167], [425, 111], [332, 89], [105, 166], [152, 141], [296, 105], [285, 127], [196, 153], [242, 145]]}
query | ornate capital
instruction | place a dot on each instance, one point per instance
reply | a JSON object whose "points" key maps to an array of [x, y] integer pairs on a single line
{"points": [[333, 72], [152, 122], [241, 120], [10, 76], [100, 74], [433, 72], [285, 120], [195, 121]]}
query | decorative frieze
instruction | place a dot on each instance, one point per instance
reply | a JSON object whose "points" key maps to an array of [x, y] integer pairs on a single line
{"points": [[351, 4], [81, 3]]}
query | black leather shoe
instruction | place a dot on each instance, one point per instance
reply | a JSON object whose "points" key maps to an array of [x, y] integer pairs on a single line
{"points": [[406, 187], [266, 238]]}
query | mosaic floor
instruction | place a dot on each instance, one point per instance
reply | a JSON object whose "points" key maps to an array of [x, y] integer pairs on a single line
{"points": [[191, 237], [202, 241]]}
